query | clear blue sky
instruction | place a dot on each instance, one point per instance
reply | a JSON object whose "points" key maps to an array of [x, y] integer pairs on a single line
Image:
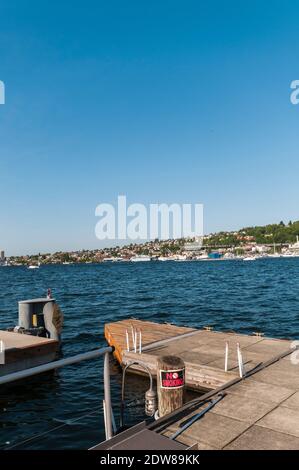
{"points": [[164, 101]]}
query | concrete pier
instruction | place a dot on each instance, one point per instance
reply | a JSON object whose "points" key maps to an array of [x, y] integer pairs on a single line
{"points": [[260, 412]]}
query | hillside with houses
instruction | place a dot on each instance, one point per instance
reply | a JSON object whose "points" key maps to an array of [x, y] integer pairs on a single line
{"points": [[270, 240]]}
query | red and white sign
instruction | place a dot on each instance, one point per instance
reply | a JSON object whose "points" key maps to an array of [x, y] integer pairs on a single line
{"points": [[172, 378]]}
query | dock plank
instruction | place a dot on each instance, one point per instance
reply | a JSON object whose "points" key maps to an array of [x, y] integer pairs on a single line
{"points": [[17, 340], [282, 419], [198, 376], [24, 351], [214, 431], [263, 439], [115, 333]]}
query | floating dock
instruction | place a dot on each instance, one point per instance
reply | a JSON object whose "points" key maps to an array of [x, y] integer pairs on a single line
{"points": [[115, 333], [23, 351], [260, 409]]}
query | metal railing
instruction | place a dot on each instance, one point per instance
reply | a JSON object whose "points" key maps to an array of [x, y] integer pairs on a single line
{"points": [[22, 374]]}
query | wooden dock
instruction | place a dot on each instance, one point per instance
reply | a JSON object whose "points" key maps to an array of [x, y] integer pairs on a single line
{"points": [[203, 351], [115, 333], [24, 351], [259, 411]]}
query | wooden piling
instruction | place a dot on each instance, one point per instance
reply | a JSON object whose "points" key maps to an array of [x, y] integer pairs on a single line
{"points": [[170, 383]]}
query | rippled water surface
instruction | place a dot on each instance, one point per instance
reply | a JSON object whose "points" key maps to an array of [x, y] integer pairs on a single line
{"points": [[230, 295]]}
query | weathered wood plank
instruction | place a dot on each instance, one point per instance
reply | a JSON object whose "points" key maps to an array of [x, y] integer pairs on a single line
{"points": [[115, 333], [24, 351], [198, 377]]}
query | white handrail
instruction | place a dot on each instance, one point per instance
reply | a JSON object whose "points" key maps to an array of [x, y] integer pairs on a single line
{"points": [[22, 374]]}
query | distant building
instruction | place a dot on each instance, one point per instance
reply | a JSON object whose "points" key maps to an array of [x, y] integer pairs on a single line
{"points": [[2, 255], [195, 246]]}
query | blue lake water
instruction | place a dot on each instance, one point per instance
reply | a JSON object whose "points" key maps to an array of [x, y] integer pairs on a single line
{"points": [[229, 295]]}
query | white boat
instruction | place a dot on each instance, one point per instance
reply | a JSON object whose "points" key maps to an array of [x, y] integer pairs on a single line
{"points": [[34, 266], [179, 258], [173, 258], [137, 258], [249, 258], [274, 255], [4, 265], [202, 257], [294, 248], [229, 256]]}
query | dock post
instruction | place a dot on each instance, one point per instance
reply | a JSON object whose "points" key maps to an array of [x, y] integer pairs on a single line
{"points": [[226, 357], [107, 398], [127, 340], [170, 383], [140, 342], [240, 361], [25, 315]]}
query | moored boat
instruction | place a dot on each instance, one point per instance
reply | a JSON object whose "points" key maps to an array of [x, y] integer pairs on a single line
{"points": [[138, 258]]}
